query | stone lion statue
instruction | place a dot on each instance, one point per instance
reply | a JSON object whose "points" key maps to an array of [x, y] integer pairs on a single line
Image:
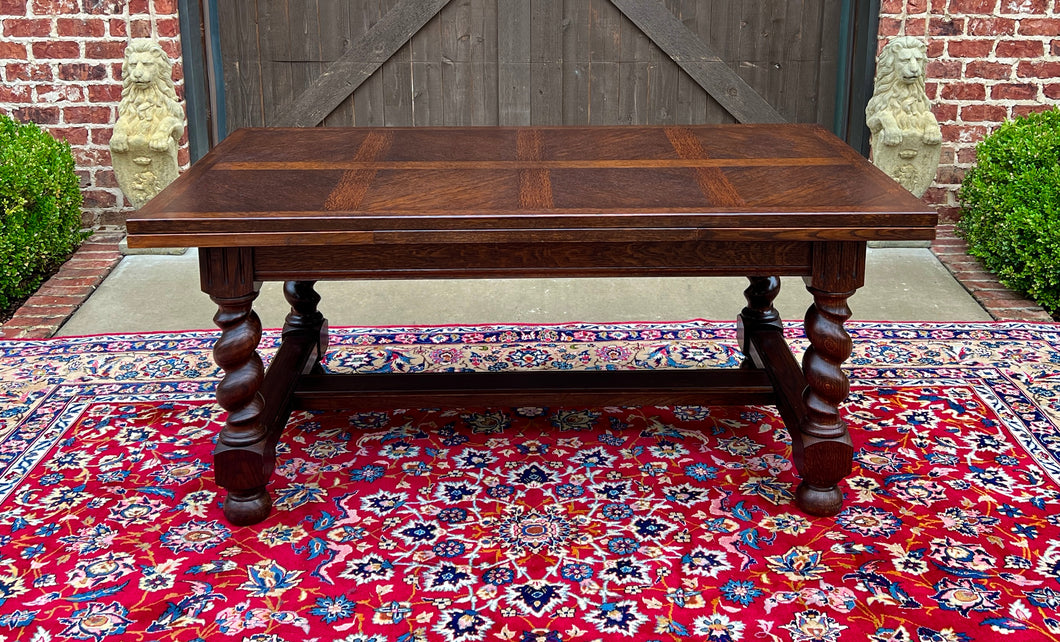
{"points": [[905, 136], [150, 123]]}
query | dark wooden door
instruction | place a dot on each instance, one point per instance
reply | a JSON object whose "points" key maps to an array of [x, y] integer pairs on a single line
{"points": [[520, 62]]}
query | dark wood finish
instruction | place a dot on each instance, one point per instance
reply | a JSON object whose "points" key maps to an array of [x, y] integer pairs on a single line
{"points": [[769, 350], [758, 315], [242, 459], [563, 258], [298, 205], [549, 388], [401, 186], [825, 455], [528, 62], [306, 322]]}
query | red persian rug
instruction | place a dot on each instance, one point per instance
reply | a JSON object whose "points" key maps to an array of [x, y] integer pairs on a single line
{"points": [[535, 524]]}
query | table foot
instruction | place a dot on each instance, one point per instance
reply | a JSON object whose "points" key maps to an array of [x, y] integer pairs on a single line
{"points": [[820, 502], [246, 507]]}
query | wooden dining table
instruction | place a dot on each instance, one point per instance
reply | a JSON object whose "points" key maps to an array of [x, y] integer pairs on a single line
{"points": [[304, 205]]}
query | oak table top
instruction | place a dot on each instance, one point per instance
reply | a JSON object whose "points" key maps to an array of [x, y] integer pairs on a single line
{"points": [[269, 187]]}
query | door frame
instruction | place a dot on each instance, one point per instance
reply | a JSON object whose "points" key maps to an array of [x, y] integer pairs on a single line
{"points": [[200, 47], [859, 33]]}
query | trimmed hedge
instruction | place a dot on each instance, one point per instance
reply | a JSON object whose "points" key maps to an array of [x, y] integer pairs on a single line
{"points": [[1010, 206], [40, 208]]}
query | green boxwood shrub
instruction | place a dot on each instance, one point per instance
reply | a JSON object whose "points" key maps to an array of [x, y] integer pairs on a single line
{"points": [[1010, 206], [40, 208]]}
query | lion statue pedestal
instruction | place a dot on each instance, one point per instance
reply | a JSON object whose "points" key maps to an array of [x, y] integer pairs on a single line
{"points": [[143, 147], [906, 138]]}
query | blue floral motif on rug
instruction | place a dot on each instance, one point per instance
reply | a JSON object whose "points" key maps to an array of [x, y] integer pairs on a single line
{"points": [[534, 524]]}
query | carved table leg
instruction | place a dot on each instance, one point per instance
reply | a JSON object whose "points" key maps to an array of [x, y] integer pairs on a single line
{"points": [[826, 449], [758, 314], [822, 447], [240, 454], [304, 317], [242, 459]]}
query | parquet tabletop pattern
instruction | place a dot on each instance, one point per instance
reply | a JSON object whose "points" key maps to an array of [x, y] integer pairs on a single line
{"points": [[706, 182]]}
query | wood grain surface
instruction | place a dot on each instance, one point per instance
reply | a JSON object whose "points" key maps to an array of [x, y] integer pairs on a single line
{"points": [[352, 186]]}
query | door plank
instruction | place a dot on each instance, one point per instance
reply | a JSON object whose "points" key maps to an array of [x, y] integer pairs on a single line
{"points": [[426, 74], [241, 59], [366, 55], [546, 62], [699, 61], [336, 33], [576, 58], [277, 77], [605, 63], [689, 102], [368, 103], [825, 53], [513, 62], [302, 24]]}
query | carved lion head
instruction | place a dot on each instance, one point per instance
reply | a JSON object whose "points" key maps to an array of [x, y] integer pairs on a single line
{"points": [[903, 60], [147, 67]]}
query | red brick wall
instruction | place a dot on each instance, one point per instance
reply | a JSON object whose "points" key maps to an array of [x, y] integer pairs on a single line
{"points": [[989, 60], [60, 62]]}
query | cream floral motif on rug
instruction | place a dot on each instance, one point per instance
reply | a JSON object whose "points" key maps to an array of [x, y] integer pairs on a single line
{"points": [[534, 524]]}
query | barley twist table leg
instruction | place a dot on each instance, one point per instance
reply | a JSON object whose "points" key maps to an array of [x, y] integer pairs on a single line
{"points": [[242, 465], [823, 456]]}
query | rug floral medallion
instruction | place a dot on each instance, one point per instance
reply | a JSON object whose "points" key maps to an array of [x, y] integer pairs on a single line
{"points": [[535, 524]]}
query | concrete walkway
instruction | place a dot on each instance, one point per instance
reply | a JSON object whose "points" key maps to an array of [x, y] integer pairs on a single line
{"points": [[149, 292], [99, 291]]}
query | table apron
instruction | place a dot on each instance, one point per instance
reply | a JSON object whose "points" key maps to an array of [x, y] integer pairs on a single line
{"points": [[508, 260]]}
